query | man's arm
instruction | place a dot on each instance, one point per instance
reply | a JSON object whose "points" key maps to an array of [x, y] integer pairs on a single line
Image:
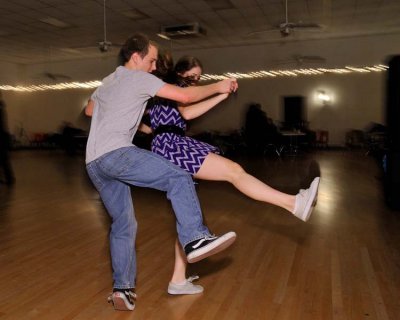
{"points": [[89, 108], [194, 94]]}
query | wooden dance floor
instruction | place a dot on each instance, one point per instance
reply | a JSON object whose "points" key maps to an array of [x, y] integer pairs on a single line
{"points": [[343, 264]]}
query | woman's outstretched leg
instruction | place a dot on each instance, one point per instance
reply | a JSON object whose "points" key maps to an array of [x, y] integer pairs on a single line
{"points": [[218, 168]]}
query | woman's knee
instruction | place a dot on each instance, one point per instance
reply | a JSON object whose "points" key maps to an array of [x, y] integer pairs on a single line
{"points": [[235, 171]]}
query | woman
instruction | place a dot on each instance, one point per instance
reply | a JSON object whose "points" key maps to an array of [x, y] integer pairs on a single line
{"points": [[168, 123]]}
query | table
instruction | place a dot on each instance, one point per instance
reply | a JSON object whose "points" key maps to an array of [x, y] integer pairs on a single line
{"points": [[293, 136]]}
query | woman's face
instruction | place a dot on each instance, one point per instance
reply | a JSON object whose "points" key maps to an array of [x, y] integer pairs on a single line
{"points": [[193, 74]]}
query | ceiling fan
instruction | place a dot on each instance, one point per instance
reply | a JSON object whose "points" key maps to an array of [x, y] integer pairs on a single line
{"points": [[286, 28], [51, 77], [56, 76], [300, 60], [48, 74], [104, 45]]}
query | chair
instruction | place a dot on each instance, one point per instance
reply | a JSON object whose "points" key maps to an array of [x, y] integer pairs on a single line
{"points": [[321, 138], [355, 139], [37, 139]]}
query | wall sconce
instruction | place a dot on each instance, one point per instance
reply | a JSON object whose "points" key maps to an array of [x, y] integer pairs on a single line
{"points": [[323, 97]]}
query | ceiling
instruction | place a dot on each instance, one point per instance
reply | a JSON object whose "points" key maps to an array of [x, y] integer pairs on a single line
{"points": [[36, 31]]}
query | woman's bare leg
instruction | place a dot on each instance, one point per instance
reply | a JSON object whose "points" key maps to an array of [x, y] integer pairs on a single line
{"points": [[179, 284], [218, 168], [179, 274]]}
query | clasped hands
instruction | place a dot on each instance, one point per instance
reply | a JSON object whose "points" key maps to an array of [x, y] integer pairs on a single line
{"points": [[229, 85]]}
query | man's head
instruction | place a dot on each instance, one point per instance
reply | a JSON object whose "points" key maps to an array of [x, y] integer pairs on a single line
{"points": [[139, 53]]}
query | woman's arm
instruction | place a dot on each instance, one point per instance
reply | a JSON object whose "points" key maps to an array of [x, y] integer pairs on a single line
{"points": [[192, 111], [144, 128]]}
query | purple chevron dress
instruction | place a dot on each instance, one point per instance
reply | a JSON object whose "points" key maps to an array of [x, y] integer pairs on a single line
{"points": [[181, 150]]}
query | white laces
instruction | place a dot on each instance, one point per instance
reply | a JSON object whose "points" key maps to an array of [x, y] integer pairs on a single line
{"points": [[192, 278], [206, 238]]}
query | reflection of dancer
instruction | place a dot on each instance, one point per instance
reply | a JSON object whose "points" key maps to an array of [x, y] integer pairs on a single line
{"points": [[5, 163], [200, 159], [113, 163]]}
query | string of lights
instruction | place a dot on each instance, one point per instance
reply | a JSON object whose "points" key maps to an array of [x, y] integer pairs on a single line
{"points": [[58, 86], [205, 77], [295, 72]]}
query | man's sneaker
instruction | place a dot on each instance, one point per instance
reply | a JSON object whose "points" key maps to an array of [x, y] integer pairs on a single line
{"points": [[185, 288], [207, 246], [123, 299], [306, 200]]}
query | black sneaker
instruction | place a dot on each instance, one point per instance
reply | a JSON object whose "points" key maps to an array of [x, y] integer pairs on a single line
{"points": [[207, 246], [123, 299]]}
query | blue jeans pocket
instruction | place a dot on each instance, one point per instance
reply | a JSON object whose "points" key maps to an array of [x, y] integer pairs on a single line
{"points": [[115, 162], [93, 174]]}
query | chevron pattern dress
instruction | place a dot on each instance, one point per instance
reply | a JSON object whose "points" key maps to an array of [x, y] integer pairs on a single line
{"points": [[183, 151]]}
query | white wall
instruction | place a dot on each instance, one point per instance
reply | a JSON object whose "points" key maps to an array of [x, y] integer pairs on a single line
{"points": [[358, 98], [45, 111], [360, 51], [12, 73]]}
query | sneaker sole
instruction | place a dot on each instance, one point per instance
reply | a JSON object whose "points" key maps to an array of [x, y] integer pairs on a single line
{"points": [[180, 292], [212, 248], [312, 200], [120, 302]]}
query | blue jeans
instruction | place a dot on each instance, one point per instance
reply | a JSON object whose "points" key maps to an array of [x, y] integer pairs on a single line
{"points": [[112, 174]]}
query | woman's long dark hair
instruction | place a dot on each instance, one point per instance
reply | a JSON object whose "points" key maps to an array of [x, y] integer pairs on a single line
{"points": [[165, 67], [166, 71], [184, 64]]}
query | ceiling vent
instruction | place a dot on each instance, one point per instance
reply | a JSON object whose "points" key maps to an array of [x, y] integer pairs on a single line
{"points": [[182, 31]]}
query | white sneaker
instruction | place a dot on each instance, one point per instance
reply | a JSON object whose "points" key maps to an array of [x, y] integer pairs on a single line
{"points": [[305, 201], [185, 288]]}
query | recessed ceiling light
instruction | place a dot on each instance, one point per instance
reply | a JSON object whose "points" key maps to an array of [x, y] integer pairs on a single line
{"points": [[135, 14], [70, 50], [163, 36], [220, 4], [55, 22]]}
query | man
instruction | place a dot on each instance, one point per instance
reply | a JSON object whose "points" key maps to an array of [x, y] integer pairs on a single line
{"points": [[113, 163]]}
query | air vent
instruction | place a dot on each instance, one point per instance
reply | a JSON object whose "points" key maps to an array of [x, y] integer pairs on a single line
{"points": [[182, 31]]}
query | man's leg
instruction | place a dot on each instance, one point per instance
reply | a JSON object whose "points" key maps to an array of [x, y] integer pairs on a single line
{"points": [[117, 199], [146, 169], [143, 168]]}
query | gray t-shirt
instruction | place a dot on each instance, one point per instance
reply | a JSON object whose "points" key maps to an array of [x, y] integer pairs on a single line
{"points": [[119, 105]]}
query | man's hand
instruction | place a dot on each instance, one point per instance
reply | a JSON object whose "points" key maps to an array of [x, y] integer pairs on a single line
{"points": [[89, 108], [228, 85]]}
